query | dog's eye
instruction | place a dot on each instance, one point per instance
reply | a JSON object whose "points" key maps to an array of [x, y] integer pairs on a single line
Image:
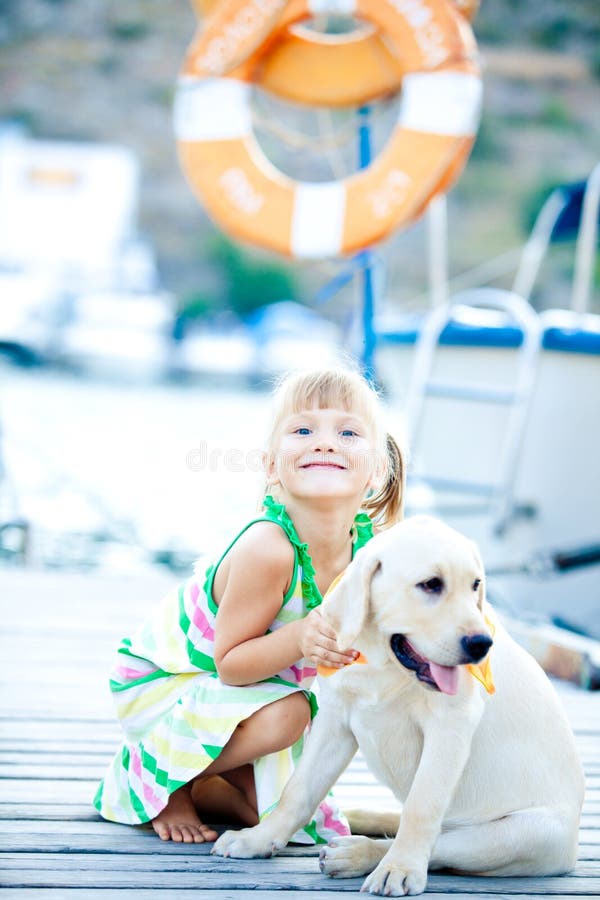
{"points": [[476, 584], [432, 586]]}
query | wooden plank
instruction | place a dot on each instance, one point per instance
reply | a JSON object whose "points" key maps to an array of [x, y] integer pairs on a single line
{"points": [[142, 841], [63, 757], [99, 826], [73, 843], [57, 749], [90, 764], [591, 806], [48, 791], [216, 892], [82, 791], [51, 715], [28, 728], [588, 852], [137, 841], [82, 770], [297, 865], [264, 877], [86, 833], [72, 753], [66, 812], [54, 771]]}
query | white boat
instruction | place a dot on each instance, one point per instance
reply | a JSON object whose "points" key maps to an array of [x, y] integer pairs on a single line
{"points": [[77, 281], [276, 338], [503, 415], [112, 333]]}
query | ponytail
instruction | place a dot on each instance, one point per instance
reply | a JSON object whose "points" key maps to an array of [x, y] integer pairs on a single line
{"points": [[386, 506]]}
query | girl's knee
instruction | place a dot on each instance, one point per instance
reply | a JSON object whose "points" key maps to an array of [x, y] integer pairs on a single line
{"points": [[286, 719], [298, 711]]}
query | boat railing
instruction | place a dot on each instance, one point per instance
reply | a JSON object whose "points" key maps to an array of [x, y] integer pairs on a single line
{"points": [[497, 494], [570, 212]]}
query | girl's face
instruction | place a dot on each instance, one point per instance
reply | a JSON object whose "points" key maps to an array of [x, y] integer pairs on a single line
{"points": [[325, 453]]}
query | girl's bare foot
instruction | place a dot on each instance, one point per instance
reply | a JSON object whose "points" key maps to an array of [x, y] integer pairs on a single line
{"points": [[179, 821]]}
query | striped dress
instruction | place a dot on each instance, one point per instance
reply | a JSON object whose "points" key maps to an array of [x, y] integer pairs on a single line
{"points": [[177, 714]]}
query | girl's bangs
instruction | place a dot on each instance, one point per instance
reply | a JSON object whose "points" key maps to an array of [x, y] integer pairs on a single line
{"points": [[330, 390]]}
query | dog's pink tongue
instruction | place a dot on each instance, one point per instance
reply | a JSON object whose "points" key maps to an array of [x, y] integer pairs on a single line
{"points": [[446, 677]]}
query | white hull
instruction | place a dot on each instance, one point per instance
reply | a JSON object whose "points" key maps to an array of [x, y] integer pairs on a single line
{"points": [[557, 474]]}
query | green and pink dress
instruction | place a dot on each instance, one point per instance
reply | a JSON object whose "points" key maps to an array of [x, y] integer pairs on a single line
{"points": [[177, 714]]}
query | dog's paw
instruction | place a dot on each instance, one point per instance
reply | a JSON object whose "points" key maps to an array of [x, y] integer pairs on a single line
{"points": [[245, 844], [391, 879], [346, 857]]}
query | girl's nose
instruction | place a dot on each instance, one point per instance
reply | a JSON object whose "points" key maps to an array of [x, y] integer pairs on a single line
{"points": [[324, 443]]}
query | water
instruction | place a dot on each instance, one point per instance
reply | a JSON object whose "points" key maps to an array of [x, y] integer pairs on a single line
{"points": [[159, 465], [165, 470]]}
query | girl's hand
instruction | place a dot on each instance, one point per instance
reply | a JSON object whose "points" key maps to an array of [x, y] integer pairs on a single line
{"points": [[319, 644]]}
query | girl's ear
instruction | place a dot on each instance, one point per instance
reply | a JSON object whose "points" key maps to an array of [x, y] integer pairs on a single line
{"points": [[378, 475], [268, 463]]}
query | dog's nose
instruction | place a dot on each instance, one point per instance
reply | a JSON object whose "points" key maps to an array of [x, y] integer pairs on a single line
{"points": [[476, 645]]}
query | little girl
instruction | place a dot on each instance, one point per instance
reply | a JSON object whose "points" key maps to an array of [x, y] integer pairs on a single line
{"points": [[213, 691]]}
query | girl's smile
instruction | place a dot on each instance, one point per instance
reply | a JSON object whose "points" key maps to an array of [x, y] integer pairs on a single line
{"points": [[322, 463]]}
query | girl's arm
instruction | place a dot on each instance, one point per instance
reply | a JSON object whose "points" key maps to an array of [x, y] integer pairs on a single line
{"points": [[258, 575]]}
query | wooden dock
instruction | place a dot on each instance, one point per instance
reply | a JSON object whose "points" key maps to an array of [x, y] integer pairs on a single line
{"points": [[57, 733]]}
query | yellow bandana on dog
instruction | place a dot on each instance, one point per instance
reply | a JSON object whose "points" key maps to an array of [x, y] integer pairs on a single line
{"points": [[481, 671]]}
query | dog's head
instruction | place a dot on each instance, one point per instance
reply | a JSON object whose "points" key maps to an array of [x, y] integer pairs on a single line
{"points": [[418, 590]]}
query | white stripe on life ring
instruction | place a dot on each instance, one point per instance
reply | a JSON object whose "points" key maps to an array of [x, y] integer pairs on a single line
{"points": [[441, 103], [318, 219], [331, 7], [212, 109]]}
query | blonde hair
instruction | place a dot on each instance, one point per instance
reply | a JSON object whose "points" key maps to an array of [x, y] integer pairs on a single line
{"points": [[346, 388]]}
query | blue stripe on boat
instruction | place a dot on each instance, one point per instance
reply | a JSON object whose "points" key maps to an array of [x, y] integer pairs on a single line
{"points": [[567, 338]]}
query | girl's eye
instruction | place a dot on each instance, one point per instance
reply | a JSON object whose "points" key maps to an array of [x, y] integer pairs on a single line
{"points": [[476, 583], [348, 432], [302, 430]]}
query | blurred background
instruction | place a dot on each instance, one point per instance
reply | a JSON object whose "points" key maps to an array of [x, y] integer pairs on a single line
{"points": [[105, 71], [136, 352]]}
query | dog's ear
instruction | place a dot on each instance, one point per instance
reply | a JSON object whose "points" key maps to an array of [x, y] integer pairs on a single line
{"points": [[347, 605], [481, 588]]}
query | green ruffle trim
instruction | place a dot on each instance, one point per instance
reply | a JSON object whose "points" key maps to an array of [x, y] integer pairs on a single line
{"points": [[277, 512], [363, 527]]}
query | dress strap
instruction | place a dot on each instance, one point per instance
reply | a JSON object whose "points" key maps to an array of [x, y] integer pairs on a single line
{"points": [[363, 531], [212, 569], [277, 512]]}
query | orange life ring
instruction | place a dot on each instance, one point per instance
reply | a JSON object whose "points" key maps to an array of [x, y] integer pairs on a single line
{"points": [[315, 69], [253, 201], [232, 32], [306, 66]]}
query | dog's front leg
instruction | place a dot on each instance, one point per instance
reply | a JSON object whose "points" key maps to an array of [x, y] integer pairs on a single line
{"points": [[403, 869], [329, 748]]}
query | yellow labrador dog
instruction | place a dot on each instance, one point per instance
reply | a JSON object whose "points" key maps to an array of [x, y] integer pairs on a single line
{"points": [[490, 782]]}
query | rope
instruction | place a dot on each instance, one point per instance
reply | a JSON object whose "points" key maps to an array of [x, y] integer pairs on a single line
{"points": [[326, 139]]}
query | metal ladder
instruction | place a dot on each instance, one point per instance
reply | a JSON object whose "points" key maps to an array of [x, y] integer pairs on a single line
{"points": [[496, 498]]}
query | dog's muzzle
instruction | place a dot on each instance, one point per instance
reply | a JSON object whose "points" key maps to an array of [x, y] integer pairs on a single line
{"points": [[434, 675]]}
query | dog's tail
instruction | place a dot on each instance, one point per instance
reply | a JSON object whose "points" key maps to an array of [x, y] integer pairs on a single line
{"points": [[375, 823]]}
